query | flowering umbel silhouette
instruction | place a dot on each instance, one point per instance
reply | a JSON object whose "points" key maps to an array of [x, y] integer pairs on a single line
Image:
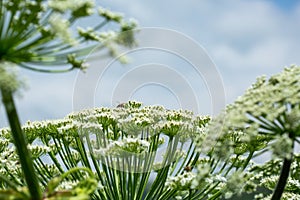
{"points": [[40, 35], [131, 152], [265, 118]]}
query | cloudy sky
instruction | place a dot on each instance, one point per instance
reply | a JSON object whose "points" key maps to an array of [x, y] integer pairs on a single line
{"points": [[243, 38]]}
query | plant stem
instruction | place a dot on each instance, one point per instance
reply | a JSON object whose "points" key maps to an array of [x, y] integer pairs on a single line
{"points": [[285, 170], [21, 144], [250, 156], [284, 175]]}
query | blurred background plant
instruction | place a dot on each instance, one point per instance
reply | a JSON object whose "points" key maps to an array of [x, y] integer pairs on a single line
{"points": [[39, 35], [264, 119]]}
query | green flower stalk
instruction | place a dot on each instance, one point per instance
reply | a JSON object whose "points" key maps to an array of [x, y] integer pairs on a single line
{"points": [[18, 136], [39, 35]]}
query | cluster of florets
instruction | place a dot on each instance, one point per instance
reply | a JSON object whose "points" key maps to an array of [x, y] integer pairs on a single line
{"points": [[129, 139], [265, 118], [268, 111], [40, 35]]}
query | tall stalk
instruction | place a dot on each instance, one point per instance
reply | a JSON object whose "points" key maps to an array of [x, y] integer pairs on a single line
{"points": [[21, 144], [282, 179], [284, 175]]}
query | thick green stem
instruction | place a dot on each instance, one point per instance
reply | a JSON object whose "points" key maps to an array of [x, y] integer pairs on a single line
{"points": [[285, 170], [21, 144], [284, 174]]}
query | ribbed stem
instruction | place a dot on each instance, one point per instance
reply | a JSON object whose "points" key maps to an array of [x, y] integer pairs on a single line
{"points": [[284, 175], [21, 144], [285, 170]]}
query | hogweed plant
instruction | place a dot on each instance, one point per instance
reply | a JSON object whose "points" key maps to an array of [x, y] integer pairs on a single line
{"points": [[266, 118], [149, 152], [39, 35], [129, 152], [135, 152]]}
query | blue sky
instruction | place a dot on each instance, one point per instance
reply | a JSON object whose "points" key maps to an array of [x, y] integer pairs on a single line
{"points": [[244, 38], [285, 4]]}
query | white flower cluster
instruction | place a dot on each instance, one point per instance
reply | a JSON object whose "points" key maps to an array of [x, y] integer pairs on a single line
{"points": [[282, 147], [38, 150], [285, 196], [265, 118], [181, 182], [73, 6], [44, 37], [67, 185], [9, 77], [90, 34], [128, 139], [123, 148], [109, 15], [235, 184], [9, 164], [44, 130], [134, 120], [61, 28], [267, 176], [267, 112]]}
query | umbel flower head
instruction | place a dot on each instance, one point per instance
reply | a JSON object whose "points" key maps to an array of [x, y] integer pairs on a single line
{"points": [[265, 118], [268, 111], [133, 150], [40, 35]]}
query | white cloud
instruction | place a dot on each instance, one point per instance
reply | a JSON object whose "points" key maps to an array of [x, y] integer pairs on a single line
{"points": [[249, 30], [269, 53], [243, 19]]}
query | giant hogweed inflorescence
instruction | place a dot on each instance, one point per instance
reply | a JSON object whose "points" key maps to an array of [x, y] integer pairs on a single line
{"points": [[40, 35], [265, 118], [134, 151], [128, 148]]}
